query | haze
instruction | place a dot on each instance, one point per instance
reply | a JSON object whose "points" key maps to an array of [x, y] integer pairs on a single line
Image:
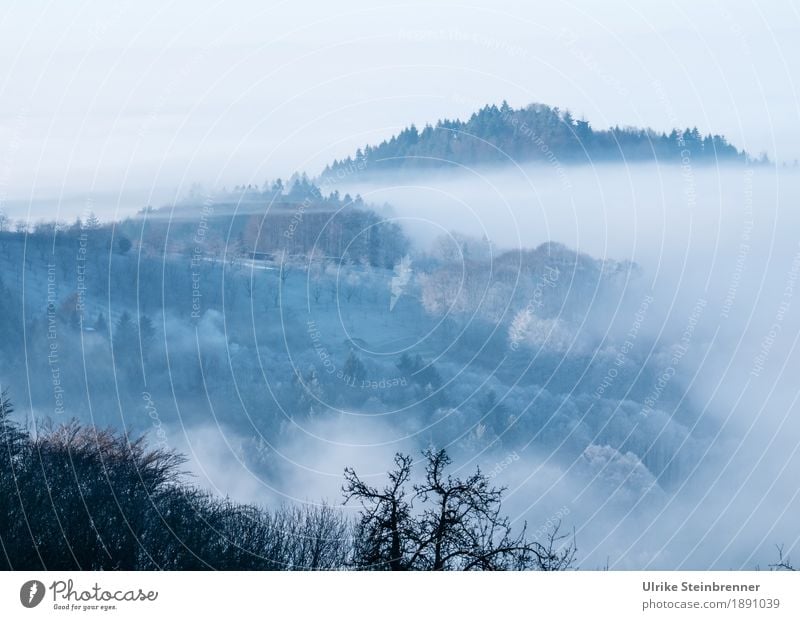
{"points": [[113, 108], [132, 103]]}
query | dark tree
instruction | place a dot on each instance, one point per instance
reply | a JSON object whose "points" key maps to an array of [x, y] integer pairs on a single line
{"points": [[100, 325], [383, 536], [126, 346], [354, 367], [123, 245], [784, 562], [124, 332], [10, 435], [444, 523]]}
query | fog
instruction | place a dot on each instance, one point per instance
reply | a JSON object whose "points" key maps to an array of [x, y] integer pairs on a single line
{"points": [[726, 236], [135, 103], [642, 389], [716, 250], [614, 343]]}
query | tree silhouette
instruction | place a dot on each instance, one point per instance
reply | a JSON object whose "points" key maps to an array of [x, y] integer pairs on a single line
{"points": [[444, 523], [123, 244], [784, 562], [354, 367], [100, 324], [383, 537]]}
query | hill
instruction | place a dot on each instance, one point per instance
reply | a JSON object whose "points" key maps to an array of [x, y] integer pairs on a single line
{"points": [[498, 135]]}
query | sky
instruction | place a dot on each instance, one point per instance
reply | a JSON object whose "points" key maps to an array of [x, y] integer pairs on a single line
{"points": [[129, 103]]}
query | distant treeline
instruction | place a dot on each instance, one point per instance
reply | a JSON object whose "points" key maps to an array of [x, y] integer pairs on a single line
{"points": [[294, 218], [297, 189], [497, 135]]}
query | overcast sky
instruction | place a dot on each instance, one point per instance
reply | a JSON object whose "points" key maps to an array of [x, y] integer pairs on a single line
{"points": [[132, 97]]}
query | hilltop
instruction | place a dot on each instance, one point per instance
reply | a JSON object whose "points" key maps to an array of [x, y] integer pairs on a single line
{"points": [[498, 135]]}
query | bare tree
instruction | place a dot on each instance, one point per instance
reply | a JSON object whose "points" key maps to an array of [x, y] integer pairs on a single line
{"points": [[784, 562], [445, 523], [382, 537]]}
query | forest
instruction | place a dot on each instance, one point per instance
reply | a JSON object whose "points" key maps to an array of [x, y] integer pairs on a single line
{"points": [[198, 330], [503, 135]]}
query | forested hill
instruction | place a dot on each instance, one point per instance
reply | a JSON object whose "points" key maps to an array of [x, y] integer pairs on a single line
{"points": [[537, 132]]}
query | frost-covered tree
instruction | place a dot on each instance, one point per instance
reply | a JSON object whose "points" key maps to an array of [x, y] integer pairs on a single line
{"points": [[92, 222]]}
